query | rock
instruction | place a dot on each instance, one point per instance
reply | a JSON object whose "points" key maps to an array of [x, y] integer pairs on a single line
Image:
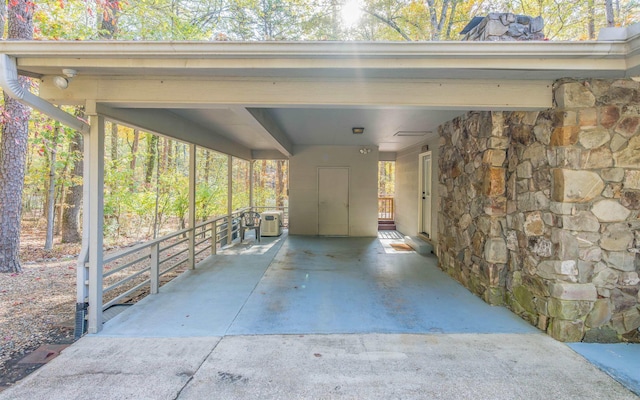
{"points": [[562, 208], [588, 118], [593, 138], [585, 271], [617, 142], [616, 240], [574, 95], [564, 136], [612, 174], [596, 158], [581, 221], [629, 279], [567, 244], [601, 335], [495, 251], [498, 143], [605, 279], [630, 199], [495, 183], [495, 157], [575, 186], [551, 269], [629, 157], [524, 170], [573, 291], [536, 153], [590, 254], [632, 179], [464, 222], [566, 331], [610, 211], [569, 310], [541, 246], [512, 241], [600, 313], [622, 301], [628, 126], [609, 115], [631, 319], [620, 260], [533, 224]]}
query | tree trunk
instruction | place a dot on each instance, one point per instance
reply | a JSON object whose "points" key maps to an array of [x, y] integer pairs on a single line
{"points": [[609, 12], [114, 145], [280, 184], [109, 20], [13, 149], [152, 151], [134, 154], [591, 25], [73, 197], [51, 191]]}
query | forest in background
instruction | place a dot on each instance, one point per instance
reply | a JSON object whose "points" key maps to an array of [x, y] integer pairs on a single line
{"points": [[146, 175]]}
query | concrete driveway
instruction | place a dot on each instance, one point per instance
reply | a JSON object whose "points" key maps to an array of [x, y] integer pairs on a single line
{"points": [[313, 318]]}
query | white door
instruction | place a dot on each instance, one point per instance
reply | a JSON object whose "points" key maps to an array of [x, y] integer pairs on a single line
{"points": [[425, 193], [333, 201]]}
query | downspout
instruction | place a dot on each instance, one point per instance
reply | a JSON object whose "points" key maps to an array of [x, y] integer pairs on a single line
{"points": [[10, 84]]}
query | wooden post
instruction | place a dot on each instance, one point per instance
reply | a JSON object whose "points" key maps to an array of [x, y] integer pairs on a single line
{"points": [[96, 221]]}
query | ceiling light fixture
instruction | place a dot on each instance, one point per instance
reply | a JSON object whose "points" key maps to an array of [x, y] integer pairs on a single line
{"points": [[357, 130], [365, 150], [62, 82]]}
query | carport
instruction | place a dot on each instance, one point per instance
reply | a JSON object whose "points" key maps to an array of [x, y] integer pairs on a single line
{"points": [[301, 101]]}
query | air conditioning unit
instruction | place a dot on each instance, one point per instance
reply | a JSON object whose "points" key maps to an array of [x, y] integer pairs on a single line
{"points": [[271, 223]]}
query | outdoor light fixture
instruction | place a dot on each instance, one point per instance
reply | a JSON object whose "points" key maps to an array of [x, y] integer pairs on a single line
{"points": [[357, 130], [62, 82], [365, 150]]}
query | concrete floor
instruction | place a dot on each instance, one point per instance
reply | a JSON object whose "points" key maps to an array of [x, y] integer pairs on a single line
{"points": [[308, 318]]}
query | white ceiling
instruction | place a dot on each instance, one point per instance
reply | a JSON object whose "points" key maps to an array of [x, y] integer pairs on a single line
{"points": [[324, 126]]}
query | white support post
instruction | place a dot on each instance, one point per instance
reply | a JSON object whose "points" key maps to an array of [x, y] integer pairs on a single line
{"points": [[229, 199], [82, 266], [214, 238], [192, 206], [96, 221], [251, 164], [155, 268]]}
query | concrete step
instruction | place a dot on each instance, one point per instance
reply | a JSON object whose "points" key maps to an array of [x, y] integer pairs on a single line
{"points": [[386, 225], [418, 244]]}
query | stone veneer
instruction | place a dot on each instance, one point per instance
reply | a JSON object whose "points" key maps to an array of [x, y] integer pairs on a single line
{"points": [[507, 26], [540, 210]]}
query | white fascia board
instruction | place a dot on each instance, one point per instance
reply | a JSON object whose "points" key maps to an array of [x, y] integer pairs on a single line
{"points": [[154, 58]]}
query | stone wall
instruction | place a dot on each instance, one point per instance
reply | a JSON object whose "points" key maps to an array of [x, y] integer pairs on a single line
{"points": [[541, 210], [507, 26]]}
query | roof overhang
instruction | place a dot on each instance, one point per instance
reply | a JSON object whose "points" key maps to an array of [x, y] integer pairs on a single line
{"points": [[196, 83]]}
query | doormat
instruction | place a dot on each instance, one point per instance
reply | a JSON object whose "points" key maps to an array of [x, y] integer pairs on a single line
{"points": [[401, 247]]}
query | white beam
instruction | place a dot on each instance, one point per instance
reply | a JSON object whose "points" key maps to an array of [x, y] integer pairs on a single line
{"points": [[169, 124], [96, 221], [439, 94], [269, 125]]}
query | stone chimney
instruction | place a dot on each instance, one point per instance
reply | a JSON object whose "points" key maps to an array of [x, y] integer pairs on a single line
{"points": [[504, 27]]}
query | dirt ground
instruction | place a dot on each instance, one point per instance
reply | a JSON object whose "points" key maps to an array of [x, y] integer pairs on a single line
{"points": [[37, 306]]}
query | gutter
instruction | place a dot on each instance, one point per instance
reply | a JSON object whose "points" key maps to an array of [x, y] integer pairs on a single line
{"points": [[10, 84]]}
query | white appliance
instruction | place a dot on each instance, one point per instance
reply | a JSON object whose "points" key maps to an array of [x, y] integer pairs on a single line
{"points": [[271, 223]]}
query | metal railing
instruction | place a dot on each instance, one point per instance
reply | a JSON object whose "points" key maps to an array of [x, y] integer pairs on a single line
{"points": [[130, 271], [385, 209]]}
